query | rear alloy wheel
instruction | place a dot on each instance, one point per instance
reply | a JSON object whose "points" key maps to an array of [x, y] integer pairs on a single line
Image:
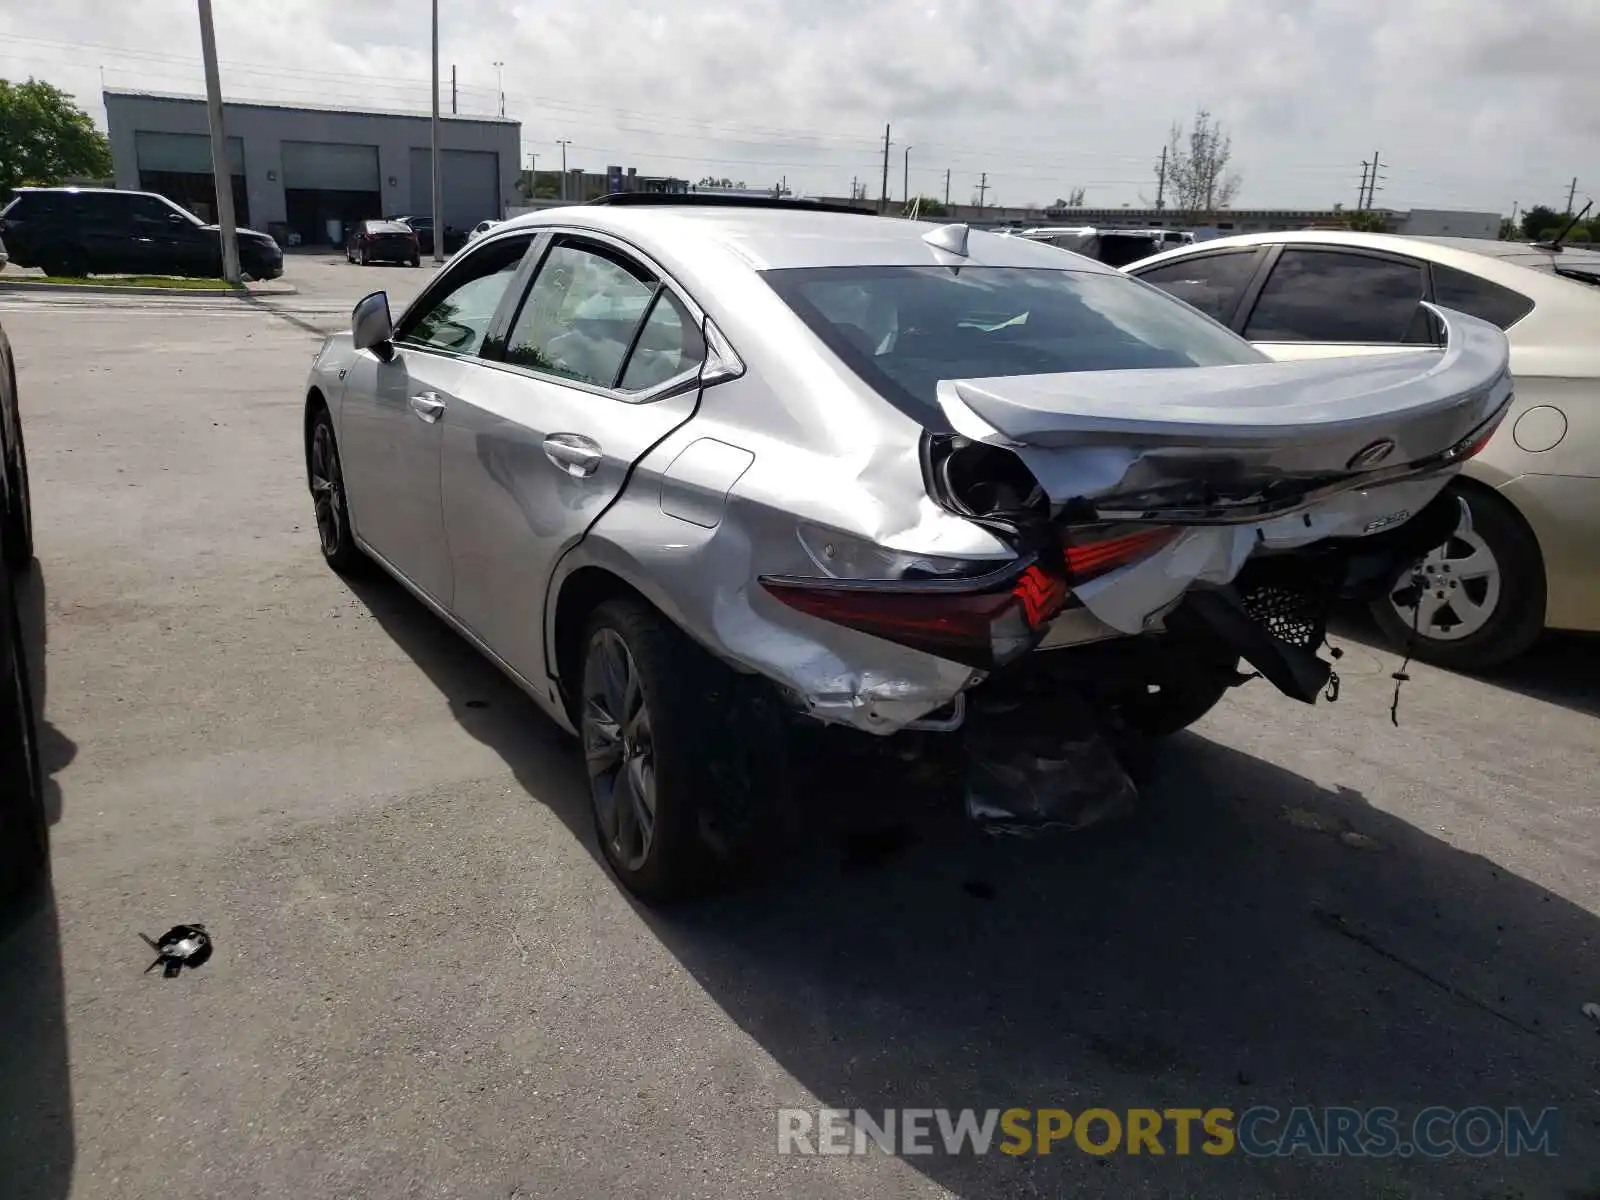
{"points": [[328, 499], [1480, 599], [684, 772]]}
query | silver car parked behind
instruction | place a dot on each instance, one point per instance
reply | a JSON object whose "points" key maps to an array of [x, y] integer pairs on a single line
{"points": [[689, 472]]}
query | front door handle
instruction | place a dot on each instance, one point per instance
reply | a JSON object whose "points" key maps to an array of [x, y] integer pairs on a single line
{"points": [[575, 454], [427, 405]]}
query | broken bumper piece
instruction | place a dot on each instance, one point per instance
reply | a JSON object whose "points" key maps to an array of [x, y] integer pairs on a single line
{"points": [[1038, 769]]}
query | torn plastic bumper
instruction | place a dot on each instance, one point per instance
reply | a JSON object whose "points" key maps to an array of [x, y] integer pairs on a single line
{"points": [[1034, 769]]}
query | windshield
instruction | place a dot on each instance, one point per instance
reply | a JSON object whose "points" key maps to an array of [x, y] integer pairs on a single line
{"points": [[904, 329]]}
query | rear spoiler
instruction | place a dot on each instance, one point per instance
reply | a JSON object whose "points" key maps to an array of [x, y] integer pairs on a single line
{"points": [[1210, 438]]}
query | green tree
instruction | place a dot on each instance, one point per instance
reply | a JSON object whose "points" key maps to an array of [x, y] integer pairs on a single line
{"points": [[1541, 222], [928, 206], [1508, 229], [1365, 221], [45, 138]]}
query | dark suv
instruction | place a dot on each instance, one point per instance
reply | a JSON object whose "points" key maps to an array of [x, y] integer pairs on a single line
{"points": [[83, 231]]}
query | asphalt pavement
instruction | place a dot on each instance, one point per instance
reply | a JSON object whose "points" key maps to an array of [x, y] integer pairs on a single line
{"points": [[426, 984]]}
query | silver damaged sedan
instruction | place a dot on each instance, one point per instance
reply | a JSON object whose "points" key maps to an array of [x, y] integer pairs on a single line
{"points": [[703, 477]]}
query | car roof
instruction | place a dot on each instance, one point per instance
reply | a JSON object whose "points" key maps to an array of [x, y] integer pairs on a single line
{"points": [[1564, 309], [769, 238], [1451, 251]]}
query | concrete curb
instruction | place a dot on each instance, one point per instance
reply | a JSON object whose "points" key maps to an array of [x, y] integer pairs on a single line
{"points": [[108, 289]]}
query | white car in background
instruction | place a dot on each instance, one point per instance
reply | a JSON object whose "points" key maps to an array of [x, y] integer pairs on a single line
{"points": [[1530, 558], [481, 228]]}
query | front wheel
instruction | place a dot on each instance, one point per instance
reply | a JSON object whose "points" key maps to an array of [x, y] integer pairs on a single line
{"points": [[328, 501], [19, 516], [1479, 598], [24, 830]]}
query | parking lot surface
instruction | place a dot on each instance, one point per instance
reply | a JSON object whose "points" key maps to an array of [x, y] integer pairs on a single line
{"points": [[425, 983]]}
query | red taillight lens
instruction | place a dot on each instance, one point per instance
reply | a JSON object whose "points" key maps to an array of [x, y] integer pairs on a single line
{"points": [[983, 622], [1091, 554]]}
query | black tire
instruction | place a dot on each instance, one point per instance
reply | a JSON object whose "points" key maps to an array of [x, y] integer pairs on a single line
{"points": [[24, 830], [1517, 615], [19, 512], [416, 261], [705, 740], [1174, 706], [329, 503]]}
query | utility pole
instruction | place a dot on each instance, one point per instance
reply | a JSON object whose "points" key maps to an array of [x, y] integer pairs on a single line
{"points": [[1372, 178], [563, 143], [947, 187], [1572, 194], [1361, 191], [983, 188], [221, 167], [883, 197], [452, 89], [1161, 181], [438, 182], [905, 177], [854, 188], [500, 84]]}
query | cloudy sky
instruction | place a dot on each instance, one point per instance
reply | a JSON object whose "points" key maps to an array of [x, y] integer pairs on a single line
{"points": [[1472, 103]]}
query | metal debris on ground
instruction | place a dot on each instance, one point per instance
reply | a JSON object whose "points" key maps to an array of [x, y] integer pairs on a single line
{"points": [[179, 947]]}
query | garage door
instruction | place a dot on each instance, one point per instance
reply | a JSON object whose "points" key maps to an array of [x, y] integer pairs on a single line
{"points": [[182, 153], [178, 166], [470, 183], [330, 167]]}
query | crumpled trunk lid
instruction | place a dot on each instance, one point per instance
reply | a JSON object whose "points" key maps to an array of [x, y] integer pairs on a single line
{"points": [[1229, 443]]}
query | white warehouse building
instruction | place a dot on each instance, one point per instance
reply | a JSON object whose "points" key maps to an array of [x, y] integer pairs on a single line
{"points": [[314, 171]]}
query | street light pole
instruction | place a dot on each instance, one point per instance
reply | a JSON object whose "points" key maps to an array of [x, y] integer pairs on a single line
{"points": [[500, 84], [564, 143], [905, 177], [221, 168], [438, 183]]}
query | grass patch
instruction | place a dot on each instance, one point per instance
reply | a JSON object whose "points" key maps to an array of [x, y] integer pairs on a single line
{"points": [[167, 282]]}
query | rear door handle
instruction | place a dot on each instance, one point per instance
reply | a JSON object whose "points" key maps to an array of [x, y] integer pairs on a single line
{"points": [[428, 406], [575, 454]]}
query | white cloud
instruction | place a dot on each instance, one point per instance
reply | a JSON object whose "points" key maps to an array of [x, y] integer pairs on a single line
{"points": [[1473, 103]]}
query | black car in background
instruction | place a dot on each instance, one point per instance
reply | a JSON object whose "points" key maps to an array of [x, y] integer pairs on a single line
{"points": [[86, 231], [24, 837], [383, 241], [454, 238]]}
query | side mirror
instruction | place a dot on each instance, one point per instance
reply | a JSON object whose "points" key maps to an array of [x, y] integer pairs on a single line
{"points": [[370, 326]]}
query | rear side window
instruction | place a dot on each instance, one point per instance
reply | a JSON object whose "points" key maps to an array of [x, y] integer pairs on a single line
{"points": [[1332, 296], [1213, 283], [1478, 297], [904, 329], [579, 317]]}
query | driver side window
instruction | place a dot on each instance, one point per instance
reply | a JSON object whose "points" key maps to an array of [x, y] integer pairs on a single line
{"points": [[454, 318]]}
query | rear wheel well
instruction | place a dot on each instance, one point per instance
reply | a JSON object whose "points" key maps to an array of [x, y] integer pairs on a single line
{"points": [[1476, 488], [581, 593]]}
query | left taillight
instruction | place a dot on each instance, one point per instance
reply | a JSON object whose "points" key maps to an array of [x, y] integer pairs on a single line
{"points": [[983, 621]]}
